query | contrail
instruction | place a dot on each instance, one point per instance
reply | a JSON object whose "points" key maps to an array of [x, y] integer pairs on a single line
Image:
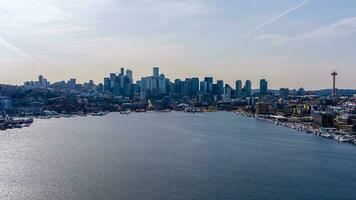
{"points": [[12, 47], [258, 27]]}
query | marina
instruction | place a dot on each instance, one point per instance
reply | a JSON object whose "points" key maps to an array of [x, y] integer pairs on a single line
{"points": [[330, 133]]}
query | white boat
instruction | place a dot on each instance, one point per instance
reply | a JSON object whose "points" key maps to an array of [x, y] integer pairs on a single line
{"points": [[326, 135], [125, 112]]}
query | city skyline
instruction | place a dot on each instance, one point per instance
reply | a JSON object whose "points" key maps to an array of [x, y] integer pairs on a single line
{"points": [[295, 43], [255, 84]]}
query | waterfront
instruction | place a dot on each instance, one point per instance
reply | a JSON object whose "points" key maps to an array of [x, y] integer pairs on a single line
{"points": [[171, 155]]}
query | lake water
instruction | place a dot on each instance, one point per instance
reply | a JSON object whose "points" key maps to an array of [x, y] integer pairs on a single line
{"points": [[171, 156]]}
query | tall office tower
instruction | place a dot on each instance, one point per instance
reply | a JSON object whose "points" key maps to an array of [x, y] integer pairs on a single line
{"points": [[220, 88], [45, 82], [227, 92], [201, 86], [116, 88], [263, 87], [238, 87], [72, 83], [162, 84], [187, 87], [107, 84], [112, 80], [209, 84], [155, 72], [40, 80], [177, 88], [248, 88], [143, 88], [91, 84], [126, 91], [334, 74], [122, 71], [129, 75], [195, 86]]}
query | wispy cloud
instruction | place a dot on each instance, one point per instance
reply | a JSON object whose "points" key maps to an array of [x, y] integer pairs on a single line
{"points": [[274, 38], [12, 47], [253, 30], [335, 30]]}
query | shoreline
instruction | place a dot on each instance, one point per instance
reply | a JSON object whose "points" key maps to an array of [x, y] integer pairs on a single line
{"points": [[329, 133]]}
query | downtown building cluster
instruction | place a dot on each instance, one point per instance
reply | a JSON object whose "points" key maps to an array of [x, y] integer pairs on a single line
{"points": [[158, 86]]}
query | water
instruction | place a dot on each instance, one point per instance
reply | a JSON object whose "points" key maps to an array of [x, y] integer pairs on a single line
{"points": [[171, 156]]}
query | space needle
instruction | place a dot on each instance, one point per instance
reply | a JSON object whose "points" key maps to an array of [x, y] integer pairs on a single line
{"points": [[334, 74]]}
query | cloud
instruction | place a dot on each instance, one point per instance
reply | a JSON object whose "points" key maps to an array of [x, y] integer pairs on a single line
{"points": [[274, 38], [12, 47], [255, 29], [335, 30]]}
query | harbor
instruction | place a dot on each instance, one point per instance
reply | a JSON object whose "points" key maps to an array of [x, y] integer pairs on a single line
{"points": [[305, 127]]}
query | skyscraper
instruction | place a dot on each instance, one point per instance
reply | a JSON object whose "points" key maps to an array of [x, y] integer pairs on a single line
{"points": [[227, 92], [248, 88], [263, 87], [178, 87], [187, 89], [238, 87], [209, 84], [40, 80], [220, 88], [162, 84], [107, 84], [195, 86], [129, 75], [155, 72]]}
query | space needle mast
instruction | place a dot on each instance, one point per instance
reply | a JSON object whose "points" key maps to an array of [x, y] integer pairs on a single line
{"points": [[334, 74]]}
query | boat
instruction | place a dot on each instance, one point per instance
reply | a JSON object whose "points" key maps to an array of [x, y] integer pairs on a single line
{"points": [[125, 112], [326, 135]]}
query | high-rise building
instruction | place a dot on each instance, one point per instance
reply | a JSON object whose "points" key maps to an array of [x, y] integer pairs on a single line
{"points": [[72, 83], [112, 81], [195, 86], [187, 89], [155, 72], [227, 92], [219, 88], [116, 89], [91, 84], [202, 86], [209, 84], [178, 84], [107, 84], [238, 87], [40, 80], [162, 84], [248, 88], [127, 87], [129, 75], [263, 87]]}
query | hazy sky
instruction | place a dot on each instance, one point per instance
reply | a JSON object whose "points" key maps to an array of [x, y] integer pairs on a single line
{"points": [[291, 43]]}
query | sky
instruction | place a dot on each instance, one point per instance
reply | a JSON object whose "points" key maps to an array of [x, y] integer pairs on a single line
{"points": [[291, 43]]}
